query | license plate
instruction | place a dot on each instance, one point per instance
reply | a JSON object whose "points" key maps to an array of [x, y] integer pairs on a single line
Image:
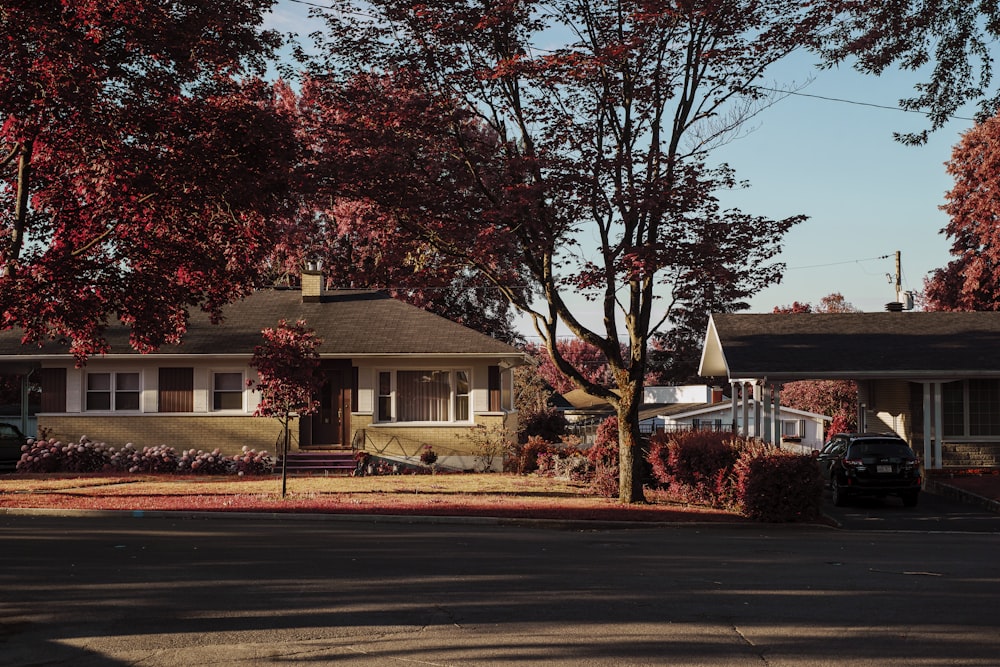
{"points": [[883, 468]]}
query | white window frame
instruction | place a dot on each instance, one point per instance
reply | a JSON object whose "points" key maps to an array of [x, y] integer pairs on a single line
{"points": [[113, 391], [394, 396], [213, 390]]}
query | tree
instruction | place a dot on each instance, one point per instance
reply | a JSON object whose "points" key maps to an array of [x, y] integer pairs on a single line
{"points": [[972, 280], [948, 42], [288, 378], [142, 164], [834, 398], [587, 359], [361, 246], [490, 147]]}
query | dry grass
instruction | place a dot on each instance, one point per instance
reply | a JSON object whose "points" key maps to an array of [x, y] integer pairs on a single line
{"points": [[490, 495]]}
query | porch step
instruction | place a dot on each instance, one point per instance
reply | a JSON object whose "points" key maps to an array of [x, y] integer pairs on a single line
{"points": [[332, 462], [983, 455]]}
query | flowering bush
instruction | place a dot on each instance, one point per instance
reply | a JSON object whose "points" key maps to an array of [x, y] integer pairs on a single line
{"points": [[251, 462], [203, 463], [54, 456], [88, 456], [148, 459], [428, 455]]}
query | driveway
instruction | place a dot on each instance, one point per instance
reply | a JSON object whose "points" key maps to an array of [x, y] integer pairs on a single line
{"points": [[935, 512]]}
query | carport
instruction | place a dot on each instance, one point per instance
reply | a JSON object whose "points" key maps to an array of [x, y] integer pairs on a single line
{"points": [[931, 377]]}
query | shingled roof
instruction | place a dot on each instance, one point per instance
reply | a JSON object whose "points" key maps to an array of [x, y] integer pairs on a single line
{"points": [[351, 323], [911, 345]]}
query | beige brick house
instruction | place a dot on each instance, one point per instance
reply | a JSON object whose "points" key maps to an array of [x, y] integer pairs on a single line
{"points": [[398, 378]]}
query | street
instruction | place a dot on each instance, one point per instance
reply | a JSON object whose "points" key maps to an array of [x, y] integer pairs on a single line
{"points": [[246, 590]]}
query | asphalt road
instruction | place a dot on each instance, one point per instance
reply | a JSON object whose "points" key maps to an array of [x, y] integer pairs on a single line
{"points": [[933, 513], [244, 590]]}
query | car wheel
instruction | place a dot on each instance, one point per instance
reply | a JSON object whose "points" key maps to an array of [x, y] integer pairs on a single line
{"points": [[838, 492], [910, 499]]}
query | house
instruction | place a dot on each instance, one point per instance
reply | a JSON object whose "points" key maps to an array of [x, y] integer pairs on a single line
{"points": [[933, 378], [397, 379], [584, 412], [800, 431]]}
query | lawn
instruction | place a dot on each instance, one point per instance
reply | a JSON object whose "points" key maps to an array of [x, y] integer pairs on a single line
{"points": [[483, 495]]}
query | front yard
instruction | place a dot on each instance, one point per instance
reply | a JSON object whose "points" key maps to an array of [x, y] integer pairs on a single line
{"points": [[485, 495]]}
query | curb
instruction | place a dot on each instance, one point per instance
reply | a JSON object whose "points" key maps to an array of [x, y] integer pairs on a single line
{"points": [[550, 524], [961, 495]]}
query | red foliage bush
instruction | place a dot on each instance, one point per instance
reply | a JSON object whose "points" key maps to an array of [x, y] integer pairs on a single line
{"points": [[776, 486], [523, 457], [695, 466]]}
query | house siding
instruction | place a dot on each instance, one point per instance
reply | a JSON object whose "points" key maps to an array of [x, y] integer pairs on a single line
{"points": [[887, 407], [207, 432]]}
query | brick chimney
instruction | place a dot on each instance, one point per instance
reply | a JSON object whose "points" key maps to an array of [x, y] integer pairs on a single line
{"points": [[313, 282]]}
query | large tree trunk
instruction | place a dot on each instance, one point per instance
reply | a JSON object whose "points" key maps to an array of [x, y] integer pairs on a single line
{"points": [[629, 450]]}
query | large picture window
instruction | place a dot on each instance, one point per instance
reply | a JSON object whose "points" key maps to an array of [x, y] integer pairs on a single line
{"points": [[423, 396], [113, 391]]}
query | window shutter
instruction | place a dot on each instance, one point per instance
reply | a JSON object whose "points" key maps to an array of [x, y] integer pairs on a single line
{"points": [[53, 382], [494, 388], [176, 390]]}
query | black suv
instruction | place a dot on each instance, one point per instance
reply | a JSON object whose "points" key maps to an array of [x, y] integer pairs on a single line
{"points": [[872, 465], [11, 441]]}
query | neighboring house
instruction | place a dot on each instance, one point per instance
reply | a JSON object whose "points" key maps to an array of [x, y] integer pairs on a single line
{"points": [[931, 377], [585, 412], [800, 430], [397, 378]]}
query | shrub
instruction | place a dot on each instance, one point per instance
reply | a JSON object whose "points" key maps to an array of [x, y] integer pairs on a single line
{"points": [[523, 458], [549, 425], [428, 456], [251, 462], [203, 463], [54, 456], [776, 486], [491, 444], [695, 466], [160, 458]]}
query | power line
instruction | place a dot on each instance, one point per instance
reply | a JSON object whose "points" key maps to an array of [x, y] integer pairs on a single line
{"points": [[848, 261]]}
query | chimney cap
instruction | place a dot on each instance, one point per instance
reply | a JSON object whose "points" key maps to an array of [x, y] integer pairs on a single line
{"points": [[313, 265]]}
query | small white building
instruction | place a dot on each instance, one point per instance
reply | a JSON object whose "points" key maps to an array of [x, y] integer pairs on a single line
{"points": [[800, 430]]}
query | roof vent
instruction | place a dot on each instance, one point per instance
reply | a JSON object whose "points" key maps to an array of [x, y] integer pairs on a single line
{"points": [[894, 306]]}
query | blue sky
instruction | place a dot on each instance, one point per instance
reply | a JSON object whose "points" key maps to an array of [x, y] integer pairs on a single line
{"points": [[867, 196]]}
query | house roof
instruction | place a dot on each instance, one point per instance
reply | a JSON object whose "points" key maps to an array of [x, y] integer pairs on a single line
{"points": [[726, 406], [349, 322], [908, 345]]}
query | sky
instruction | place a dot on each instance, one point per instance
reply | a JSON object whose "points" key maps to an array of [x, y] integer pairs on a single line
{"points": [[866, 195]]}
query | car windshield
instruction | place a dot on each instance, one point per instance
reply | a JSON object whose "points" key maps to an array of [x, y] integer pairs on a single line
{"points": [[883, 448]]}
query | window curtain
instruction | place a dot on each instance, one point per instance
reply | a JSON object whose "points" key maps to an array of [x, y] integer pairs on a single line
{"points": [[423, 396]]}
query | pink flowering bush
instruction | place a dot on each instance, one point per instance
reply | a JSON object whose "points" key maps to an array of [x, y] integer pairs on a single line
{"points": [[203, 463], [54, 456], [251, 462], [42, 456], [130, 458]]}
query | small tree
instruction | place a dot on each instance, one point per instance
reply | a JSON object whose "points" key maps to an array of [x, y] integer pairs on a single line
{"points": [[289, 378]]}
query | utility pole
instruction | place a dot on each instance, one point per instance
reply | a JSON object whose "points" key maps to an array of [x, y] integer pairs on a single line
{"points": [[899, 276]]}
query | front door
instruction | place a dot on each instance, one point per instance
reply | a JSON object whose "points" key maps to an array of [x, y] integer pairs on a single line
{"points": [[331, 425]]}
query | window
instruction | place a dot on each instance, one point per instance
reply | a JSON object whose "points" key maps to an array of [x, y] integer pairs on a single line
{"points": [[462, 396], [385, 396], [501, 389], [793, 428], [227, 391], [971, 408], [423, 396], [113, 391]]}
